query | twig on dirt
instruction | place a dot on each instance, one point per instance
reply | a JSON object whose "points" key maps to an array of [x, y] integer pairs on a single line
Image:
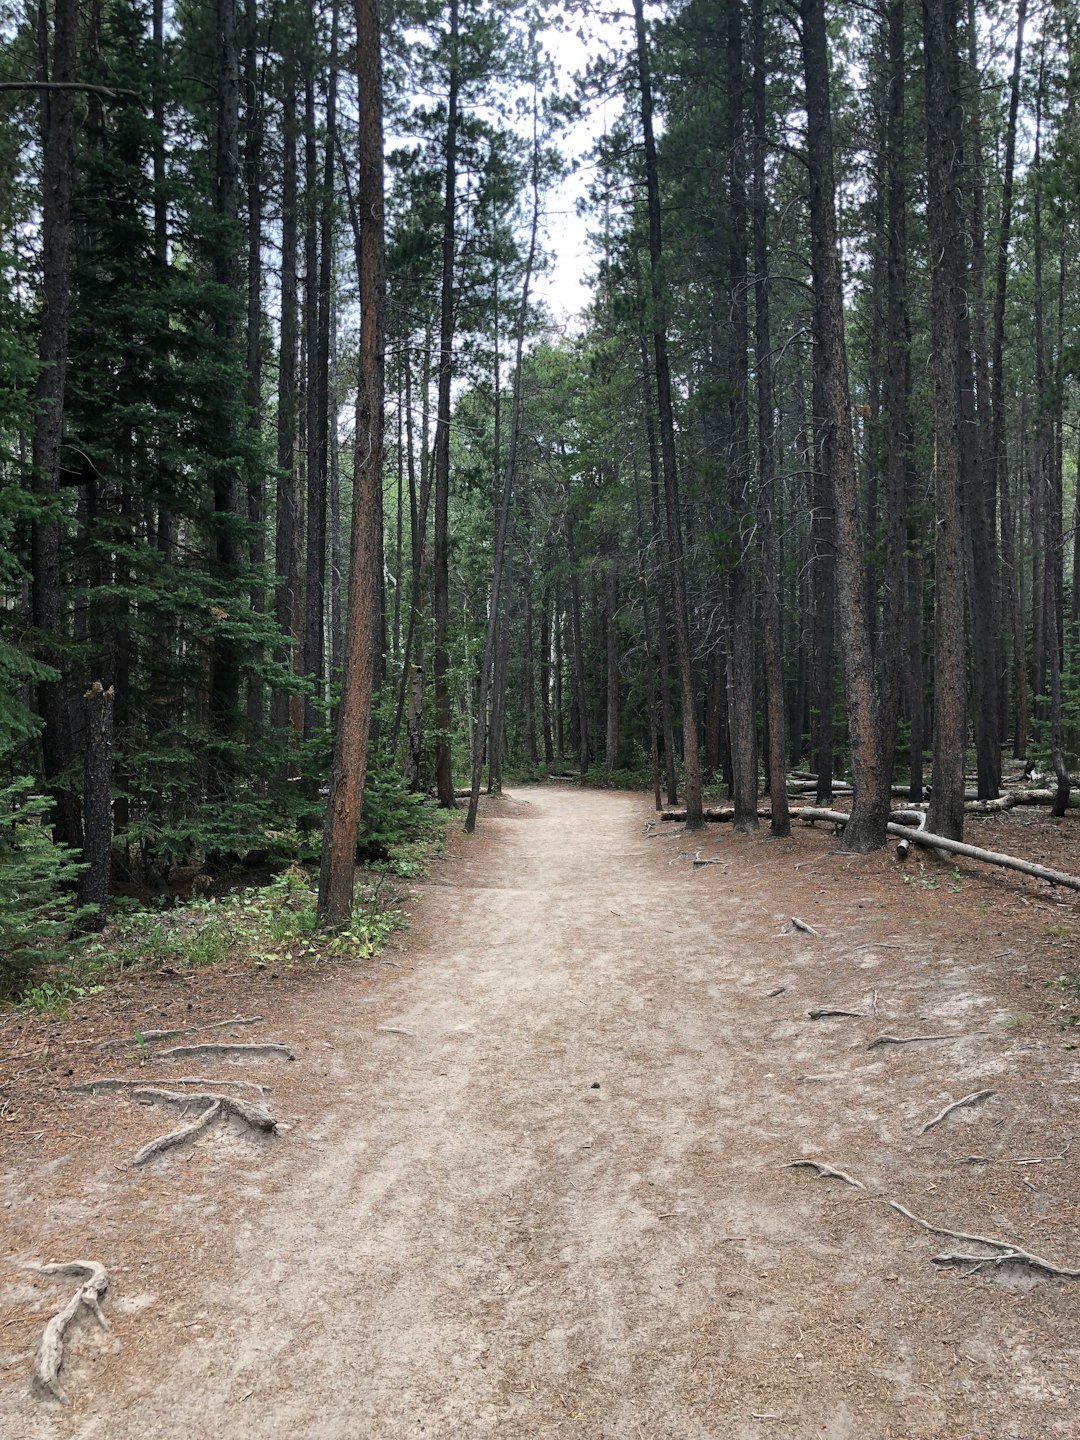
{"points": [[835, 1015], [1011, 1253], [778, 991], [45, 1376], [875, 945], [110, 1083], [249, 1111], [393, 1030], [805, 928], [972, 1099], [178, 1137], [826, 1172], [226, 1052], [1043, 1159], [698, 862], [906, 1039], [151, 1037]]}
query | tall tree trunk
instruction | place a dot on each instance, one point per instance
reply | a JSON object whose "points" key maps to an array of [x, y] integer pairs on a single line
{"points": [[1010, 576], [780, 823], [444, 775], [944, 146], [253, 148], [870, 775], [354, 720], [502, 523], [58, 148], [823, 546], [663, 595], [611, 658], [674, 557], [225, 661], [740, 650], [980, 501]]}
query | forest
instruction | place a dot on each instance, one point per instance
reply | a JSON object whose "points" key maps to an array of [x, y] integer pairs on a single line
{"points": [[311, 505]]}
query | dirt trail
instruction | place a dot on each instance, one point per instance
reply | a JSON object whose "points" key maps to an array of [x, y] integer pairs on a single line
{"points": [[555, 1206]]}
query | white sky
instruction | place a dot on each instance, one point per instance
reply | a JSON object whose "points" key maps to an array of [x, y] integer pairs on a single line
{"points": [[565, 285]]}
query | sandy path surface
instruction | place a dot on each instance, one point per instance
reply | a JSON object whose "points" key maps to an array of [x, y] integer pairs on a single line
{"points": [[554, 1205]]}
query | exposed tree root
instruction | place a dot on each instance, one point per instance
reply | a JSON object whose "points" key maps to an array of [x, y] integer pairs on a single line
{"points": [[835, 1014], [1009, 1253], [226, 1052], [972, 1099], [151, 1037], [906, 1039], [178, 1137], [45, 1376], [249, 1111], [826, 1172], [110, 1083], [805, 928]]}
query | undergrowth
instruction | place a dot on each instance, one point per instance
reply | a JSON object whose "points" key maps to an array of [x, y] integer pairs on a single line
{"points": [[272, 926]]}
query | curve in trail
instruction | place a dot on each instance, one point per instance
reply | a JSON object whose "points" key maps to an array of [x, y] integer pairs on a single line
{"points": [[545, 1197]]}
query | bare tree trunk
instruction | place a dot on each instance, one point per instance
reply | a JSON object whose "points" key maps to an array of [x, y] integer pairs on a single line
{"points": [[870, 775], [1010, 578], [663, 607], [58, 148], [546, 606], [288, 544], [944, 143], [691, 767], [350, 750], [611, 656], [97, 805], [253, 155], [780, 823], [444, 776], [580, 702], [740, 650], [503, 519]]}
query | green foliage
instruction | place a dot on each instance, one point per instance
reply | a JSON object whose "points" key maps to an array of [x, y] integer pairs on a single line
{"points": [[55, 997], [37, 907]]}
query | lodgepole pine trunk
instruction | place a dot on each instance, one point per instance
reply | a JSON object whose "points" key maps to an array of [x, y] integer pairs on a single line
{"points": [[444, 776], [97, 806], [365, 553], [944, 143], [58, 150], [674, 556], [870, 774]]}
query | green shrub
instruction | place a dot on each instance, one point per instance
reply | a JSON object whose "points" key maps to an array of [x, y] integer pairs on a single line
{"points": [[37, 902]]}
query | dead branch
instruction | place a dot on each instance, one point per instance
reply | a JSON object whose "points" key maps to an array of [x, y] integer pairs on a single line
{"points": [[699, 862], [778, 991], [178, 1137], [835, 1014], [805, 928], [719, 814], [972, 1099], [110, 1083], [826, 1172], [906, 1039], [226, 1052], [1010, 1252], [1046, 1159], [249, 1111], [150, 1037], [956, 847], [45, 1376]]}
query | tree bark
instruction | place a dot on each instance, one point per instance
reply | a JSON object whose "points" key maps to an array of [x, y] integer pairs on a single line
{"points": [[58, 149], [444, 776], [870, 774], [944, 144], [361, 636], [780, 824], [97, 806], [674, 557]]}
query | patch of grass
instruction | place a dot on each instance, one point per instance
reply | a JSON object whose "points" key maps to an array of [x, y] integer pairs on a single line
{"points": [[55, 998], [1057, 932]]}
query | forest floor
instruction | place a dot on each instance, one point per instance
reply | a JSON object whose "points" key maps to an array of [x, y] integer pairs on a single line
{"points": [[533, 1179]]}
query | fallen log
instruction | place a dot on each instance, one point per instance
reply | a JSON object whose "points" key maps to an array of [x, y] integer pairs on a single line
{"points": [[719, 813], [955, 847]]}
